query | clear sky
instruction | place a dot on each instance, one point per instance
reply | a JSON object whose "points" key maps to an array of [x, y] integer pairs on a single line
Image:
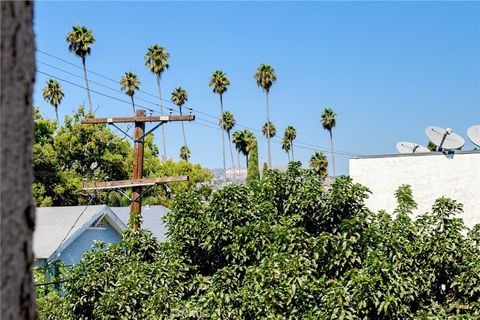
{"points": [[388, 69]]}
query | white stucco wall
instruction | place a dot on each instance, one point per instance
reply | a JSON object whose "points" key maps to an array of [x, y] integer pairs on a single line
{"points": [[431, 176]]}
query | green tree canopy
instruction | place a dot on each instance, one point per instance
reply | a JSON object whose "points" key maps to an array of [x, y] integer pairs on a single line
{"points": [[284, 248]]}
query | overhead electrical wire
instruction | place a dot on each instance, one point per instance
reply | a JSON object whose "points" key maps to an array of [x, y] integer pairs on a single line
{"points": [[298, 143]]}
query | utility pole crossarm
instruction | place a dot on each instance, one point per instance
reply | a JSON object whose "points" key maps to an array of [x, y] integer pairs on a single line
{"points": [[131, 183], [138, 119]]}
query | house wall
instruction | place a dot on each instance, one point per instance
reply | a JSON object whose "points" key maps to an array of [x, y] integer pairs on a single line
{"points": [[74, 251], [430, 175]]}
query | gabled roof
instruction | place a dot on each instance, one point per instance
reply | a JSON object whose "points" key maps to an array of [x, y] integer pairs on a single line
{"points": [[152, 219], [57, 227]]}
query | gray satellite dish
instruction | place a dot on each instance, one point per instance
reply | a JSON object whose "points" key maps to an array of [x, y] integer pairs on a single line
{"points": [[444, 138], [410, 147], [473, 134]]}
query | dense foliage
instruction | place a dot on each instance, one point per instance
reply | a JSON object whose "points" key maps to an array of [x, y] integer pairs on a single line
{"points": [[63, 157], [283, 248]]}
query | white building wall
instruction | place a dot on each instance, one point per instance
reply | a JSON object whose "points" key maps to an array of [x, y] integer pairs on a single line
{"points": [[431, 175]]}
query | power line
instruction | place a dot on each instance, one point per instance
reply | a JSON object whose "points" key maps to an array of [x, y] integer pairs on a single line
{"points": [[297, 143]]}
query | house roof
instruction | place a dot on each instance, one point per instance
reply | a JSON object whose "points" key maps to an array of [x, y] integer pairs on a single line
{"points": [[57, 227], [152, 219]]}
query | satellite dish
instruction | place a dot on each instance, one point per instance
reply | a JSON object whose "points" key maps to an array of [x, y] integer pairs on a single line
{"points": [[410, 147], [444, 138], [473, 134]]}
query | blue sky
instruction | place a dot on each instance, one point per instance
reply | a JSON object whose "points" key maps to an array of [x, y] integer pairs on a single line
{"points": [[388, 69]]}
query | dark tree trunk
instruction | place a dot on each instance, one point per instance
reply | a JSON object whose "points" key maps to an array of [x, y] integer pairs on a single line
{"points": [[17, 221]]}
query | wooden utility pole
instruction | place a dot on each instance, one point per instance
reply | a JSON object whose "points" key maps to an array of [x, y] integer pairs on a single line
{"points": [[137, 183]]}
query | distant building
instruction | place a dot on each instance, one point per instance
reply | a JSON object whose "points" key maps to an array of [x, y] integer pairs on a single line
{"points": [[66, 233], [431, 176], [152, 219]]}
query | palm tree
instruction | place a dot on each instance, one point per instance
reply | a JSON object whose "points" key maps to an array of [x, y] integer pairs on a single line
{"points": [[184, 153], [219, 82], [227, 123], [266, 77], [53, 94], [319, 163], [243, 141], [328, 123], [156, 59], [237, 140], [179, 97], [291, 134], [269, 130], [130, 83], [286, 145], [80, 39]]}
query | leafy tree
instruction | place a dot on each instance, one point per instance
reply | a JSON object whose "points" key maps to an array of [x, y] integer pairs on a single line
{"points": [[180, 97], [328, 123], [290, 134], [284, 248], [265, 77], [431, 146], [184, 153], [80, 39], [219, 82], [319, 164], [53, 94], [156, 59], [253, 173], [130, 83], [227, 123]]}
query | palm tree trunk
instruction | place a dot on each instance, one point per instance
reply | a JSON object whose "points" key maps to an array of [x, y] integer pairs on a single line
{"points": [[183, 130], [88, 87], [231, 154], [333, 155], [161, 113], [238, 158], [133, 105], [268, 136], [56, 113], [288, 154], [223, 141], [293, 156]]}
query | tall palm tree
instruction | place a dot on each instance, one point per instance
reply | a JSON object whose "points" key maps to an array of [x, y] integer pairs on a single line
{"points": [[156, 59], [80, 39], [53, 94], [269, 130], [184, 153], [237, 140], [227, 123], [291, 134], [180, 97], [266, 77], [219, 82], [130, 83], [286, 145], [243, 141], [319, 163], [328, 123]]}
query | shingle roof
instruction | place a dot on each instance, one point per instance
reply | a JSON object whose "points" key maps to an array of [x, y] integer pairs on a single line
{"points": [[53, 225], [152, 219]]}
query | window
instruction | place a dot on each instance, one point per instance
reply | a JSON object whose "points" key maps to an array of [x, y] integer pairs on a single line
{"points": [[100, 223]]}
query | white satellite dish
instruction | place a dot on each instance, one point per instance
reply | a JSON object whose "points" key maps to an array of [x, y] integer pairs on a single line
{"points": [[473, 134], [444, 138], [410, 147]]}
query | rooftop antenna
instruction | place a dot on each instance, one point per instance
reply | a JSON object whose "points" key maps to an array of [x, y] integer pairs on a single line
{"points": [[410, 147], [473, 134], [444, 138]]}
